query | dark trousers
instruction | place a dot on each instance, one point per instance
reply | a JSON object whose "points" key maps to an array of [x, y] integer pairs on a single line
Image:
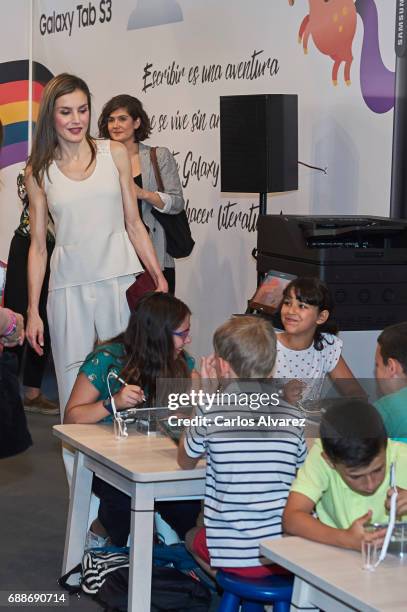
{"points": [[14, 435], [169, 275], [16, 298], [114, 512]]}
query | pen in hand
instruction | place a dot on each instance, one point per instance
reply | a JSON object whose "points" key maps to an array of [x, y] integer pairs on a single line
{"points": [[117, 377], [123, 382]]}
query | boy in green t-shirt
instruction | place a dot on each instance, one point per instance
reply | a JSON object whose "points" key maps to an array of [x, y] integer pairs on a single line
{"points": [[345, 479], [391, 376]]}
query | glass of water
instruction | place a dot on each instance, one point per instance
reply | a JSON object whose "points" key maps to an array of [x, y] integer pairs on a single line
{"points": [[371, 548]]}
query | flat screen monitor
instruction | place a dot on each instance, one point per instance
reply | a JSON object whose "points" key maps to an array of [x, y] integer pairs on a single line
{"points": [[270, 292]]}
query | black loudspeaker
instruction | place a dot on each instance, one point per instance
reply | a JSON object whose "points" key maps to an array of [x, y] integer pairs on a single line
{"points": [[259, 143]]}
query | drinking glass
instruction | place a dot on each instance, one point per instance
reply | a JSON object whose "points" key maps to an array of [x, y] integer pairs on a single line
{"points": [[370, 548], [370, 554]]}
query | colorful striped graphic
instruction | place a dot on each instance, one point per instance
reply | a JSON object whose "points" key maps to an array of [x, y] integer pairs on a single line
{"points": [[14, 88]]}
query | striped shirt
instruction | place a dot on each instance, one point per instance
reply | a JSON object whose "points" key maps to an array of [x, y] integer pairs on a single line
{"points": [[248, 477]]}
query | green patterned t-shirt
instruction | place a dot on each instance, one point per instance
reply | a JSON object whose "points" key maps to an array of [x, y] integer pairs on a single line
{"points": [[110, 358], [97, 365]]}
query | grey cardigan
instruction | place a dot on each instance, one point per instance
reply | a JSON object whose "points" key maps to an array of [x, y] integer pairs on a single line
{"points": [[172, 187]]}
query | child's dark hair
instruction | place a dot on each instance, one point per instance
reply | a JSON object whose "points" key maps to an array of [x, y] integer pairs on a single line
{"points": [[393, 344], [149, 344], [352, 432], [311, 290]]}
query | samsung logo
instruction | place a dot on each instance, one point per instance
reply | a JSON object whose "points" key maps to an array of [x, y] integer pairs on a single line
{"points": [[400, 27]]}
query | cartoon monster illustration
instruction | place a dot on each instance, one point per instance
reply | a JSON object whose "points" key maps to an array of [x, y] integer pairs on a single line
{"points": [[332, 25], [376, 81]]}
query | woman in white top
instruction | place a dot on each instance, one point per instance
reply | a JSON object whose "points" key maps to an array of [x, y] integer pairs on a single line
{"points": [[87, 187], [123, 119]]}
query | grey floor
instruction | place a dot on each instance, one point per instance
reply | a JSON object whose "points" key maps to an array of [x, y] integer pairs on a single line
{"points": [[33, 511]]}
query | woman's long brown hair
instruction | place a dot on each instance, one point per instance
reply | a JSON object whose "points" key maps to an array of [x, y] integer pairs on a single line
{"points": [[45, 138], [148, 344]]}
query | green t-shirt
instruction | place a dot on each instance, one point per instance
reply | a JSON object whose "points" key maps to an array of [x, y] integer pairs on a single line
{"points": [[393, 410], [336, 504], [97, 365], [110, 358]]}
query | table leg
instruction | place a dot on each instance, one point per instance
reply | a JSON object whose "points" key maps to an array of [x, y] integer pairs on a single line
{"points": [[141, 547], [300, 599], [308, 597], [78, 514]]}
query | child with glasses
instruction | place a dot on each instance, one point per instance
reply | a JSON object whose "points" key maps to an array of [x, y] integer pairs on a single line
{"points": [[152, 347]]}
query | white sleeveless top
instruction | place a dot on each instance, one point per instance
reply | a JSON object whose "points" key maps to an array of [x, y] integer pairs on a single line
{"points": [[92, 243]]}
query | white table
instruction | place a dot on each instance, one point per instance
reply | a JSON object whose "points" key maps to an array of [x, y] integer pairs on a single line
{"points": [[143, 467], [332, 578]]}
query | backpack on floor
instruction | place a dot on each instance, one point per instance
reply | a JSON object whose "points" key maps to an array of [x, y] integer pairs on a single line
{"points": [[104, 574], [97, 567], [171, 591], [14, 435]]}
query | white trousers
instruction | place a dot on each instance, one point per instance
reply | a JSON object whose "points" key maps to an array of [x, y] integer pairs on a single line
{"points": [[78, 317]]}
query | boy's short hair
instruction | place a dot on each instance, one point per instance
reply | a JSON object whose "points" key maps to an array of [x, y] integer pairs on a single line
{"points": [[352, 432], [393, 344], [248, 344]]}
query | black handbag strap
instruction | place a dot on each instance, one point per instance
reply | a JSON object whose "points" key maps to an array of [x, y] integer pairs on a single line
{"points": [[157, 174], [71, 588]]}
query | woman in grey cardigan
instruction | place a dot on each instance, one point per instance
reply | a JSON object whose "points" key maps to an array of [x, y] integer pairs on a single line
{"points": [[124, 119]]}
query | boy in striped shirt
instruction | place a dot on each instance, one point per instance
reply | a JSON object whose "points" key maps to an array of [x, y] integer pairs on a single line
{"points": [[250, 467]]}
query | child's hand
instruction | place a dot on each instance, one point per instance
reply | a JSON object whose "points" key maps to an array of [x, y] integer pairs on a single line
{"points": [[401, 507], [208, 366], [356, 533], [17, 337], [128, 397], [209, 377], [293, 390]]}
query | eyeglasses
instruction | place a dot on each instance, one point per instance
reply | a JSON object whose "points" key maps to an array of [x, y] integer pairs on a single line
{"points": [[182, 334]]}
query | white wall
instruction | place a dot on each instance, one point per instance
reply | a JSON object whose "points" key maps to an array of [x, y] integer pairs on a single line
{"points": [[14, 35], [336, 129]]}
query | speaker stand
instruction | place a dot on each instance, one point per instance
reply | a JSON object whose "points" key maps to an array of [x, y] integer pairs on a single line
{"points": [[262, 211], [263, 204]]}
